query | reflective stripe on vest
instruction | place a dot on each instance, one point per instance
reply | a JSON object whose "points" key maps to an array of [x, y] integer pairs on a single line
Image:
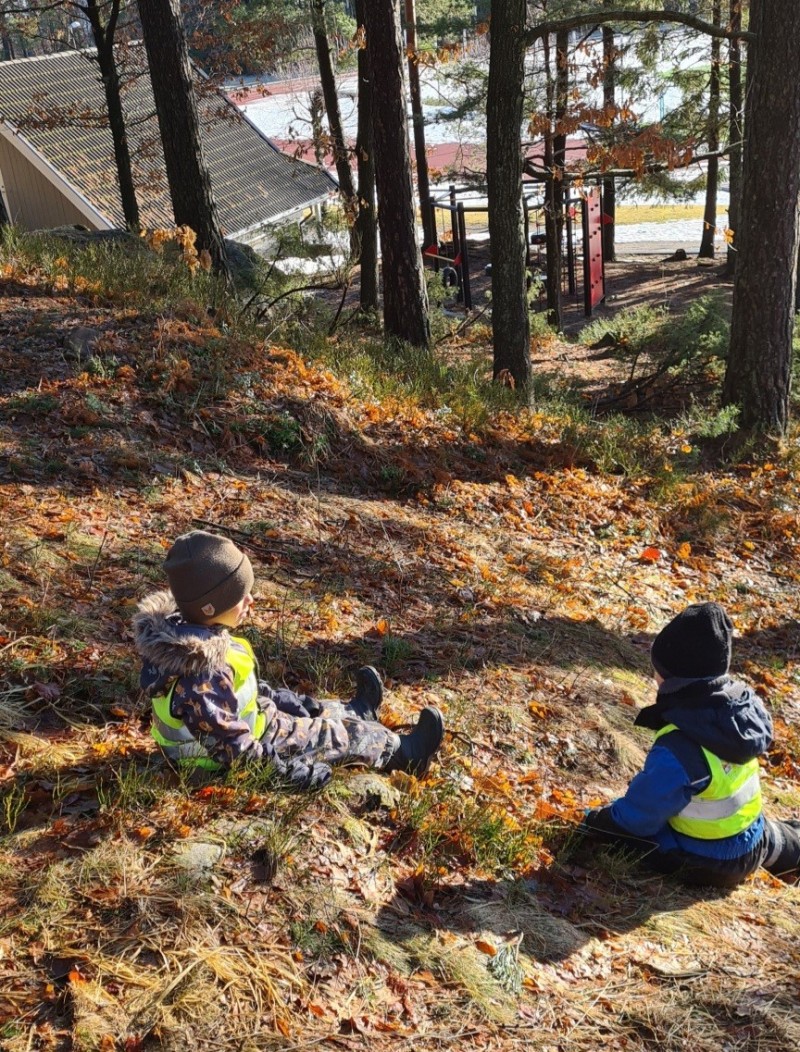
{"points": [[174, 736], [729, 804]]}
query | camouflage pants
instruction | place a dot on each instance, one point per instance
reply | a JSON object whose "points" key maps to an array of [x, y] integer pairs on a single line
{"points": [[337, 735]]}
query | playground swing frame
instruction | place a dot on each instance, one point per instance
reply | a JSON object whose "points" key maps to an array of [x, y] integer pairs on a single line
{"points": [[593, 262]]}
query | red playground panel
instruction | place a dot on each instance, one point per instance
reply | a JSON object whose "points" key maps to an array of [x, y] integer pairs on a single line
{"points": [[594, 281]]}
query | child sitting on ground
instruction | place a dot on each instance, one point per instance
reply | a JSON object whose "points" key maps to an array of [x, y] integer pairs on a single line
{"points": [[695, 808], [210, 709]]}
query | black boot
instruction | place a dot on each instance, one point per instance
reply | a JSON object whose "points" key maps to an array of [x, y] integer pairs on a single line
{"points": [[367, 700], [417, 749]]}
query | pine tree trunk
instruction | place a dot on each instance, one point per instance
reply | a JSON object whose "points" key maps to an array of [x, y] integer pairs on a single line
{"points": [[176, 107], [367, 222], [504, 105], [736, 131], [405, 297], [331, 97], [712, 137], [609, 102], [758, 375], [423, 182], [8, 45], [104, 42]]}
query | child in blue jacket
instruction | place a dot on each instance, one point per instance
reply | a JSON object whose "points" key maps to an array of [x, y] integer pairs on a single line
{"points": [[695, 807]]}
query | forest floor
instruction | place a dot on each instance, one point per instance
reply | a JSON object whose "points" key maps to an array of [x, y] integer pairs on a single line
{"points": [[509, 566]]}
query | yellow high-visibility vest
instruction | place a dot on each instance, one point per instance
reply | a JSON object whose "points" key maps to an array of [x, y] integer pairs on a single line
{"points": [[729, 804], [174, 736]]}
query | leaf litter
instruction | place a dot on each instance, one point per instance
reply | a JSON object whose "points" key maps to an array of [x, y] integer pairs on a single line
{"points": [[487, 571]]}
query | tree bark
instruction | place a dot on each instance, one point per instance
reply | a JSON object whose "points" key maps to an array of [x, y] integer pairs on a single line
{"points": [[367, 222], [331, 97], [609, 102], [712, 137], [405, 297], [104, 43], [423, 182], [735, 132], [758, 375], [504, 106], [176, 107]]}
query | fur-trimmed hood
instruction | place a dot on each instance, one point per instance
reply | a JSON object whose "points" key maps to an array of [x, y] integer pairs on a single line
{"points": [[170, 646]]}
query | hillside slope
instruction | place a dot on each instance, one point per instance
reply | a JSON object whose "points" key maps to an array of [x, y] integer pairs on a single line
{"points": [[485, 565]]}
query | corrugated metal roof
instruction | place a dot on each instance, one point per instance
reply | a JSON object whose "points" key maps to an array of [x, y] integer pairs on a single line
{"points": [[253, 182]]}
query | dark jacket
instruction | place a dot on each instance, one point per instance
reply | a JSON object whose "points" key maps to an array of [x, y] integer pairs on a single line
{"points": [[721, 715]]}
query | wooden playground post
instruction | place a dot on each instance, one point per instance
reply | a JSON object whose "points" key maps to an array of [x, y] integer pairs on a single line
{"points": [[466, 290], [571, 283], [454, 221], [434, 232], [527, 224]]}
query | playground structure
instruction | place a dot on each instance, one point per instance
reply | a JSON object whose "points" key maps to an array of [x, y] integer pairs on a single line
{"points": [[456, 254]]}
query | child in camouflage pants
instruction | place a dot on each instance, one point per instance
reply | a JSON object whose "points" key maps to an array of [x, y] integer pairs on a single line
{"points": [[209, 708]]}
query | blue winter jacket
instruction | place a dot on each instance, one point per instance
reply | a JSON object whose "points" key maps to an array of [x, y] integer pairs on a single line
{"points": [[721, 715]]}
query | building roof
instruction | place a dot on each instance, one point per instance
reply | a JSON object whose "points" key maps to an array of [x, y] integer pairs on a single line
{"points": [[57, 105]]}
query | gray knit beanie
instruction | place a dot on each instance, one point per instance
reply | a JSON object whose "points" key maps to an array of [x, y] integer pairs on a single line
{"points": [[207, 575]]}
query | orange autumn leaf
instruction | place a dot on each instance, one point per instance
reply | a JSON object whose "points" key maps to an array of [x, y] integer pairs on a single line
{"points": [[382, 627], [316, 1009], [144, 832], [684, 551], [486, 947], [650, 555]]}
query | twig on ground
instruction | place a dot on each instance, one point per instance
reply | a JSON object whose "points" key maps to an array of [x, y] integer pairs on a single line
{"points": [[243, 536], [474, 743]]}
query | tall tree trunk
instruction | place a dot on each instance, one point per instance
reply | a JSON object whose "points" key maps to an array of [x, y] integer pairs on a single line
{"points": [[504, 105], [103, 35], [405, 297], [367, 222], [8, 44], [736, 131], [316, 110], [552, 194], [712, 137], [758, 376], [331, 97], [173, 90], [423, 182], [609, 102]]}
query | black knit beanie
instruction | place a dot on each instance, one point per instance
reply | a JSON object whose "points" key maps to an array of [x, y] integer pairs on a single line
{"points": [[695, 644], [207, 575]]}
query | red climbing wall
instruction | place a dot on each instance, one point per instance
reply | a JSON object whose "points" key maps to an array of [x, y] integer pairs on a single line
{"points": [[594, 282]]}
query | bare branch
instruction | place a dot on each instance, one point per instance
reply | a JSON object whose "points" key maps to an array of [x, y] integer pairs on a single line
{"points": [[603, 17], [539, 172]]}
